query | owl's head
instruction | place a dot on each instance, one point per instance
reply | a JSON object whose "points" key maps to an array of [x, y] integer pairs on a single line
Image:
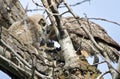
{"points": [[37, 19]]}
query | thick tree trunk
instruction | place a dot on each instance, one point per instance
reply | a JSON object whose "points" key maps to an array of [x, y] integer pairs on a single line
{"points": [[10, 12]]}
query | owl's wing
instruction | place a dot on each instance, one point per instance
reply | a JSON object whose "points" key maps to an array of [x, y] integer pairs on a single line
{"points": [[81, 40]]}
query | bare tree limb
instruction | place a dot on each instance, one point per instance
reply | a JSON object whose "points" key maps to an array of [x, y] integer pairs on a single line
{"points": [[20, 58], [30, 10], [62, 34], [76, 4], [36, 3], [100, 76], [89, 34], [11, 65], [105, 20], [68, 51], [117, 75], [23, 61], [98, 63], [84, 28]]}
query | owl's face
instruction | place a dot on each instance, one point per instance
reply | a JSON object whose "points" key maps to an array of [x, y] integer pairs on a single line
{"points": [[36, 21]]}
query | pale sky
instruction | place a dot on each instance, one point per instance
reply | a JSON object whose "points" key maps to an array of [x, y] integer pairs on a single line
{"points": [[107, 9]]}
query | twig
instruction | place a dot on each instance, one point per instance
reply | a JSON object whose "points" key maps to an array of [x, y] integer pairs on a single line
{"points": [[33, 66], [64, 13], [51, 12], [20, 58], [0, 32], [111, 68], [54, 17], [88, 33], [14, 65], [98, 63], [117, 75], [57, 17], [84, 28], [79, 48], [105, 20], [47, 8], [36, 3], [78, 3], [24, 70], [88, 24], [30, 10], [101, 75]]}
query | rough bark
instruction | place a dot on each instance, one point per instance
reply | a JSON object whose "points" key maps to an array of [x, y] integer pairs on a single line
{"points": [[18, 60], [117, 75], [10, 11]]}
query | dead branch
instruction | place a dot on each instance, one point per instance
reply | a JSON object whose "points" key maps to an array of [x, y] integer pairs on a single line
{"points": [[23, 61], [64, 12], [36, 3], [17, 69], [30, 10], [58, 19], [117, 75], [50, 15], [84, 28], [89, 34], [101, 19], [61, 33], [98, 63], [18, 56], [63, 37], [76, 4], [13, 66], [101, 75]]}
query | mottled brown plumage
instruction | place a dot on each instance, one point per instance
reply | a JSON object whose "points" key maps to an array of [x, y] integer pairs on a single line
{"points": [[81, 40], [29, 30]]}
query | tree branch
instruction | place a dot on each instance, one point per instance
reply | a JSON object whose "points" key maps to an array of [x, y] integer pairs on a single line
{"points": [[76, 4], [101, 75], [105, 20], [117, 75]]}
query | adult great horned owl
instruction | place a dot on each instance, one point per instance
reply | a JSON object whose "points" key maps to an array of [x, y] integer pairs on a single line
{"points": [[29, 30], [81, 40]]}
